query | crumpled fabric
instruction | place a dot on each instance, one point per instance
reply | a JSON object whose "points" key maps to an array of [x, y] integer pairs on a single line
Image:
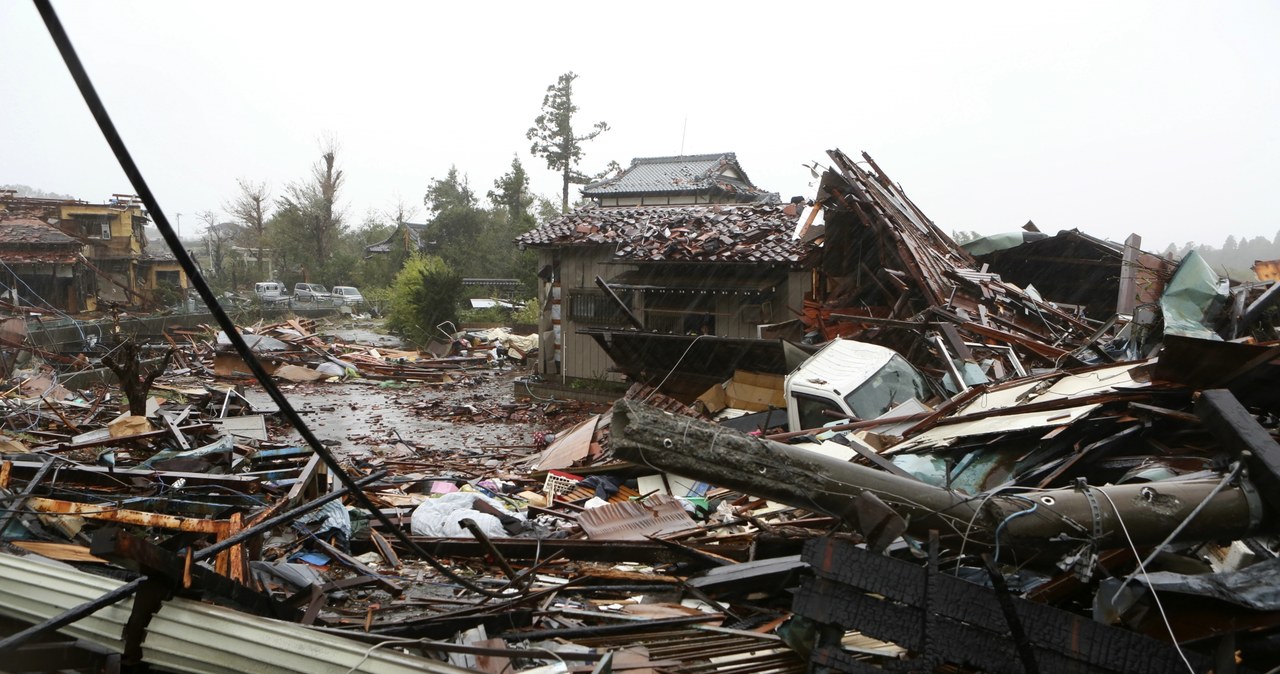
{"points": [[604, 486], [439, 517], [334, 523]]}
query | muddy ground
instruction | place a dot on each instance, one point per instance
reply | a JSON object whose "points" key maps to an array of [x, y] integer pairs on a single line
{"points": [[477, 413]]}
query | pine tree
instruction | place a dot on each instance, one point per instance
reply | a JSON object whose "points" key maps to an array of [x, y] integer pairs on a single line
{"points": [[554, 139]]}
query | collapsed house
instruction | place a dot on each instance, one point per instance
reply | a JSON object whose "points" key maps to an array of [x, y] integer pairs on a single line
{"points": [[112, 247], [1112, 450], [42, 266], [1081, 273]]}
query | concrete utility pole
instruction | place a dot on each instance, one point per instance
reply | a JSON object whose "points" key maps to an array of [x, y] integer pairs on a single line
{"points": [[1031, 521]]}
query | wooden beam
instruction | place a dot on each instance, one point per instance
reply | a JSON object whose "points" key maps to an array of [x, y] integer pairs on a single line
{"points": [[109, 513], [1239, 431]]}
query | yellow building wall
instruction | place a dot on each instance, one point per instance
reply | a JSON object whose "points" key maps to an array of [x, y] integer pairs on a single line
{"points": [[153, 274]]}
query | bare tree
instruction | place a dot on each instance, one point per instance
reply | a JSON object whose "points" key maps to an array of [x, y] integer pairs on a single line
{"points": [[249, 209], [218, 239], [135, 378], [401, 212], [308, 213]]}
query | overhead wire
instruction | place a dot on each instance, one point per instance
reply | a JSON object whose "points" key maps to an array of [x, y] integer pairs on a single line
{"points": [[1173, 638], [673, 368], [1226, 479], [63, 42]]}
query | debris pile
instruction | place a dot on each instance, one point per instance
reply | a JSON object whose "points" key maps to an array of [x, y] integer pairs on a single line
{"points": [[968, 476]]}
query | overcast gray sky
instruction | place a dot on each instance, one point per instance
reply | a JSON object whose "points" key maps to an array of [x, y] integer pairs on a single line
{"points": [[1158, 118]]}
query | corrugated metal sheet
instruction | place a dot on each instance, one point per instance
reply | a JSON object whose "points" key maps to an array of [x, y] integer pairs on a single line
{"points": [[188, 636], [636, 520]]}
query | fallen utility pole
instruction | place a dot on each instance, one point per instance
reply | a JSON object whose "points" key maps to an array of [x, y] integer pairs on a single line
{"points": [[804, 479]]}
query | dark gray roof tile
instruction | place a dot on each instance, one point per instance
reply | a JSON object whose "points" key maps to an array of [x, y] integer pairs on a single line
{"points": [[681, 174], [29, 232], [754, 232]]}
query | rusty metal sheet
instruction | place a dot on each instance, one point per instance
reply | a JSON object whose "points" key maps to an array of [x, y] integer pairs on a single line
{"points": [[107, 512]]}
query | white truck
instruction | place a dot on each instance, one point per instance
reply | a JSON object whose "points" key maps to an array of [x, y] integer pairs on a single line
{"points": [[271, 292], [854, 380]]}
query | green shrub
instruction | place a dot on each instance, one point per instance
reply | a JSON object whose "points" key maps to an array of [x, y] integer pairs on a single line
{"points": [[529, 315], [488, 315], [424, 295]]}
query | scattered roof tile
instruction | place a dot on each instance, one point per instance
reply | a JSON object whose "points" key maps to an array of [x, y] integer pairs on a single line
{"points": [[29, 233]]}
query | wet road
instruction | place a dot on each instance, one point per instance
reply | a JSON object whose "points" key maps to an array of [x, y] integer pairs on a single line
{"points": [[366, 416]]}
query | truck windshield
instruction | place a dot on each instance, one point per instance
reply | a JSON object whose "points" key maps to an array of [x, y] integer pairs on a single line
{"points": [[891, 385]]}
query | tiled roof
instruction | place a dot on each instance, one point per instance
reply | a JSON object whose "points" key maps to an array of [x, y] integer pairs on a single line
{"points": [[416, 233], [668, 175], [746, 233], [32, 233]]}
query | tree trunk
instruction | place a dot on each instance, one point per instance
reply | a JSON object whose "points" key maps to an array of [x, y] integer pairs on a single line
{"points": [[125, 361], [564, 195]]}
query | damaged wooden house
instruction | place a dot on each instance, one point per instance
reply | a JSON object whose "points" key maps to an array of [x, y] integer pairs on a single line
{"points": [[672, 248], [111, 243], [43, 267], [1081, 273]]}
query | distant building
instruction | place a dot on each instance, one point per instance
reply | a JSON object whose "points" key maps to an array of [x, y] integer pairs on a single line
{"points": [[42, 267], [409, 237], [113, 244], [678, 181]]}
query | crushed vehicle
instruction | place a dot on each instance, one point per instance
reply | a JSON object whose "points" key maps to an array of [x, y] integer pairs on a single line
{"points": [[270, 292], [852, 381]]}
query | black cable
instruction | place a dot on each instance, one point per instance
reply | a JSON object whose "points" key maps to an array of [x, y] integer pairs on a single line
{"points": [[81, 77]]}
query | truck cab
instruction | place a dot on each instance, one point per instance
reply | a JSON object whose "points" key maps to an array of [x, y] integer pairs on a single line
{"points": [[854, 380]]}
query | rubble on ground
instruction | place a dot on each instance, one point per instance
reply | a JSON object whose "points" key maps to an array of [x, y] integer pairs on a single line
{"points": [[1073, 493]]}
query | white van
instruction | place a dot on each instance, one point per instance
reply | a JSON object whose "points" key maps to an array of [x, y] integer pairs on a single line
{"points": [[311, 292], [347, 295]]}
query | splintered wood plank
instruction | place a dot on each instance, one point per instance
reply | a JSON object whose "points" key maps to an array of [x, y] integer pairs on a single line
{"points": [[63, 552]]}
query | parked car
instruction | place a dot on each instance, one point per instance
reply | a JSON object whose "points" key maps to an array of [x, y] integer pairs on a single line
{"points": [[270, 292], [348, 295], [311, 292]]}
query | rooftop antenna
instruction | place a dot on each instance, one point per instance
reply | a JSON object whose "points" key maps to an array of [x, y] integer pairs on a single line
{"points": [[684, 127]]}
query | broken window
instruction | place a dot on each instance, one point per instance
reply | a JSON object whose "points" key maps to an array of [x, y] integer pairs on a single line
{"points": [[812, 410], [893, 384], [592, 307], [94, 226]]}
